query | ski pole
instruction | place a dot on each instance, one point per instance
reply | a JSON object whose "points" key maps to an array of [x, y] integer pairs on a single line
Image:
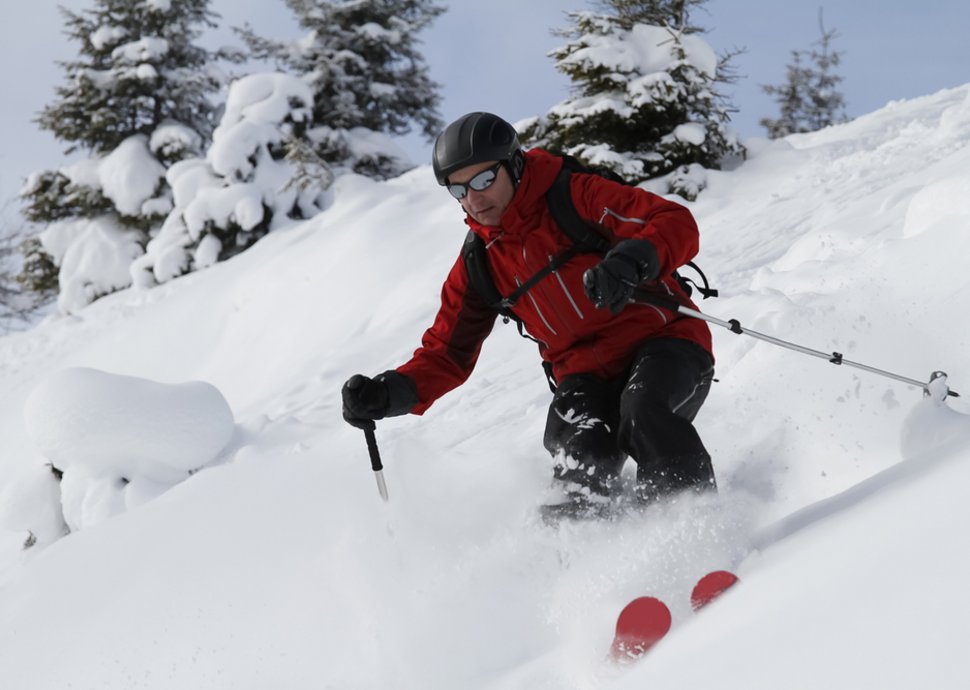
{"points": [[734, 326], [375, 459]]}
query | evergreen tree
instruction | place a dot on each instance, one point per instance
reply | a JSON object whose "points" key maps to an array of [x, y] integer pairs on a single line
{"points": [[362, 63], [38, 272], [646, 102], [138, 68], [9, 309], [675, 13], [15, 305], [19, 304], [136, 100], [809, 100]]}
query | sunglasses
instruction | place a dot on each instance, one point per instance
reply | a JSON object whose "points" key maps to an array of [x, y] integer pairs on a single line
{"points": [[482, 181]]}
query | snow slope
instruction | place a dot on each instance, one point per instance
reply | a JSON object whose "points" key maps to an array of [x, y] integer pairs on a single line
{"points": [[278, 566]]}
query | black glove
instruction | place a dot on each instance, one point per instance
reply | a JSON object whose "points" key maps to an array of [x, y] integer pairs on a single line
{"points": [[388, 395], [611, 282]]}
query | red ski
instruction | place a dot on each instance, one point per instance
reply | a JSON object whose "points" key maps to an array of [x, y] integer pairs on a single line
{"points": [[645, 621], [710, 587], [642, 624]]}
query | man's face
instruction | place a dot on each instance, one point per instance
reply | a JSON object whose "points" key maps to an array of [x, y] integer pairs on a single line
{"points": [[488, 205]]}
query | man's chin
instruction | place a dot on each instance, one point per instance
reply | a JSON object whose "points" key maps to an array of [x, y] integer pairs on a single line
{"points": [[485, 217]]}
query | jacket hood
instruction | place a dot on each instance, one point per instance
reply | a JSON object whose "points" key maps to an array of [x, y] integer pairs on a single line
{"points": [[528, 204]]}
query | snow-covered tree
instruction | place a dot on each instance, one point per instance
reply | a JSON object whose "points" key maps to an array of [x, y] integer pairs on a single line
{"points": [[646, 103], [809, 99], [245, 186], [136, 100], [15, 304], [674, 12], [362, 63]]}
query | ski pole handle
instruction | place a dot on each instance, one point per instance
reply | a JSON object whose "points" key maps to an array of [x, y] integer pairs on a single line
{"points": [[373, 450], [375, 459]]}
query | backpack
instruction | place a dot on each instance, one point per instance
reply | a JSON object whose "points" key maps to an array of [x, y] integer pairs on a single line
{"points": [[585, 240]]}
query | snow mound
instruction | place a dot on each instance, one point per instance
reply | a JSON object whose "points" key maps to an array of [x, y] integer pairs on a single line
{"points": [[121, 440], [933, 428], [940, 204]]}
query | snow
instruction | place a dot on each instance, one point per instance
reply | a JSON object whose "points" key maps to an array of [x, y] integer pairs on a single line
{"points": [[691, 132], [240, 203], [119, 440], [94, 255], [130, 175], [30, 507], [946, 202], [842, 493], [265, 98], [932, 428], [142, 50], [146, 72], [365, 143], [105, 35], [171, 139], [241, 177], [378, 34], [644, 50], [188, 177]]}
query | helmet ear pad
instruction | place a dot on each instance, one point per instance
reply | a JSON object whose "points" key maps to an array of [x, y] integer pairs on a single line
{"points": [[516, 165]]}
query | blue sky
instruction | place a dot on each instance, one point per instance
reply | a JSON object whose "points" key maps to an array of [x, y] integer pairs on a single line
{"points": [[493, 56], [893, 49]]}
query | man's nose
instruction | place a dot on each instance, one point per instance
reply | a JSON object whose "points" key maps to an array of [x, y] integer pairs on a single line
{"points": [[473, 196]]}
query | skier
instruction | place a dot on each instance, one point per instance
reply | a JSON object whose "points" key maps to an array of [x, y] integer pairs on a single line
{"points": [[631, 376]]}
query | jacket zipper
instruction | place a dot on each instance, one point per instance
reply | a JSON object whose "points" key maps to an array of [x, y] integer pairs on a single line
{"points": [[535, 305], [565, 290], [607, 211]]}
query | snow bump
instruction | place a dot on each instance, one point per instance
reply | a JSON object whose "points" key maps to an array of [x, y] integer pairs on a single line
{"points": [[121, 440]]}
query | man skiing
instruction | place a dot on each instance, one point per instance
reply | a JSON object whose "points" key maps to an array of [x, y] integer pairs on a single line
{"points": [[631, 376]]}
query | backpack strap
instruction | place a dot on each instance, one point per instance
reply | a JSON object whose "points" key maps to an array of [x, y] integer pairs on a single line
{"points": [[559, 198], [555, 263], [473, 255], [480, 277], [476, 264], [584, 237]]}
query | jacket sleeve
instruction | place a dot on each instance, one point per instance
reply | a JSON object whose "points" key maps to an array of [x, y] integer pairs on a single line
{"points": [[634, 213], [450, 348]]}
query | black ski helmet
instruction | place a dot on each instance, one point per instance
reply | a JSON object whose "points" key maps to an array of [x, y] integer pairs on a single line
{"points": [[476, 138]]}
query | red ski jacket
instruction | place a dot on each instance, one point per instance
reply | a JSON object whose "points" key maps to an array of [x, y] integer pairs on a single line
{"points": [[575, 337]]}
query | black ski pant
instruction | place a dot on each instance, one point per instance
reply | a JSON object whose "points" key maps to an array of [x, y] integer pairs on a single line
{"points": [[594, 424]]}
